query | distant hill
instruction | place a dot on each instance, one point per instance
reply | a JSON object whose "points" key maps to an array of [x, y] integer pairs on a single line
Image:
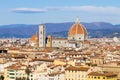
{"points": [[17, 30], [95, 29], [118, 25]]}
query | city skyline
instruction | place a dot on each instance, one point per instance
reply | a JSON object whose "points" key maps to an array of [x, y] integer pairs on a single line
{"points": [[53, 11]]}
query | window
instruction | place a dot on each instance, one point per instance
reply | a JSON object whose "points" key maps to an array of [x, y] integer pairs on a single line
{"points": [[103, 77], [73, 38], [41, 32], [82, 76], [49, 39], [11, 70], [11, 73], [11, 77], [95, 77], [98, 77]]}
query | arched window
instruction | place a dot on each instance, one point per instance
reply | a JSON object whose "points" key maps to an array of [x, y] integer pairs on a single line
{"points": [[41, 32]]}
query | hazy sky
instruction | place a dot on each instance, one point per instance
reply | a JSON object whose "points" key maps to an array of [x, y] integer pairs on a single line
{"points": [[47, 11]]}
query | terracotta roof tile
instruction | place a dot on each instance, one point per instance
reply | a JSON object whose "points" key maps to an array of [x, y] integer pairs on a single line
{"points": [[106, 74], [77, 28], [77, 68]]}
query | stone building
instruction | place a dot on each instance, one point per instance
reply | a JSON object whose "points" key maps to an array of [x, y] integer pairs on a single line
{"points": [[77, 37]]}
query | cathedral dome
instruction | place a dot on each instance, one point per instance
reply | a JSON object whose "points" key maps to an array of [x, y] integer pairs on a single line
{"points": [[77, 28], [33, 38]]}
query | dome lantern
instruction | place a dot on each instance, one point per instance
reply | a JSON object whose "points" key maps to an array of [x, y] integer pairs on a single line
{"points": [[77, 20]]}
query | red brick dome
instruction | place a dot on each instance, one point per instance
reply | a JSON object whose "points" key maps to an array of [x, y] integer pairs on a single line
{"points": [[77, 28]]}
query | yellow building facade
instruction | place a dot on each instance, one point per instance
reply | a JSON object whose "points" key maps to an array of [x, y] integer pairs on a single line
{"points": [[113, 68], [76, 73], [102, 76], [97, 60]]}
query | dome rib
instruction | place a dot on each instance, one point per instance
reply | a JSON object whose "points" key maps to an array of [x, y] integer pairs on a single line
{"points": [[77, 28]]}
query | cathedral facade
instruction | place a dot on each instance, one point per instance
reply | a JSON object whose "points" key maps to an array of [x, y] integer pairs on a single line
{"points": [[77, 37]]}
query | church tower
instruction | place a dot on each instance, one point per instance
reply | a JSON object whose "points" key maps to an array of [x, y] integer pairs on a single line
{"points": [[42, 36], [37, 40]]}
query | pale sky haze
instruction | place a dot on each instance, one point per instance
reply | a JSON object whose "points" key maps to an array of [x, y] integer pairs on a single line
{"points": [[57, 11]]}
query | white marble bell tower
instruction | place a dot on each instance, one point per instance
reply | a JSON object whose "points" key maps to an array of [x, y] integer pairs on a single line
{"points": [[42, 36]]}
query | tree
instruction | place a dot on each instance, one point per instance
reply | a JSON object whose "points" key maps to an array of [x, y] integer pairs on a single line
{"points": [[23, 78], [19, 78], [1, 77], [27, 71]]}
